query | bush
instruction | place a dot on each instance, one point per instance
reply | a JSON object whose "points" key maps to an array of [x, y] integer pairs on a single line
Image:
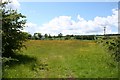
{"points": [[113, 46], [12, 36]]}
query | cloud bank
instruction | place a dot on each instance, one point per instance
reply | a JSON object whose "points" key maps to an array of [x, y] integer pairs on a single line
{"points": [[65, 25]]}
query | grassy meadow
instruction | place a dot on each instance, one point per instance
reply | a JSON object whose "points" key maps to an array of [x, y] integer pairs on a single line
{"points": [[61, 59]]}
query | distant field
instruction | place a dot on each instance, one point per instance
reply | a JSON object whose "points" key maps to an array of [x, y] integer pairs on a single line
{"points": [[62, 59]]}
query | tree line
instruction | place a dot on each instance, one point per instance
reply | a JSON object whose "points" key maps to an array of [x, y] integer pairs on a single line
{"points": [[39, 36]]}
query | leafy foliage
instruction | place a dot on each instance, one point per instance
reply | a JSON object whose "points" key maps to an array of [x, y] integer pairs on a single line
{"points": [[46, 36], [113, 46], [37, 36], [12, 36], [85, 37], [60, 35]]}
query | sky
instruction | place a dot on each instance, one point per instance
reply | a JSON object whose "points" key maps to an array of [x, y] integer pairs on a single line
{"points": [[78, 18]]}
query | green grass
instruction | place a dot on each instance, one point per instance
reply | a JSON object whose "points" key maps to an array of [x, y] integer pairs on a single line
{"points": [[62, 59]]}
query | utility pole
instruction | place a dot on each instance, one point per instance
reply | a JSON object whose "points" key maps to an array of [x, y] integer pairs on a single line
{"points": [[104, 30]]}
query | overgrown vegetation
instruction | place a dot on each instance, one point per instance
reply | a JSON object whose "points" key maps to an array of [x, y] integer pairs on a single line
{"points": [[62, 59], [112, 44], [12, 36]]}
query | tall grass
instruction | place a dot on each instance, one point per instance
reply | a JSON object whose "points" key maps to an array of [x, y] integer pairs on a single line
{"points": [[63, 59]]}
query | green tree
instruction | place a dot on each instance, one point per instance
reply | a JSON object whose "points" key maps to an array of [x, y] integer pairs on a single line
{"points": [[46, 36], [67, 37], [36, 37], [29, 36], [60, 35], [39, 35], [12, 36], [49, 36]]}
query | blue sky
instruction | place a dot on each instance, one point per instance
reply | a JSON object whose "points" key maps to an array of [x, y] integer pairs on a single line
{"points": [[70, 17], [68, 0], [42, 12]]}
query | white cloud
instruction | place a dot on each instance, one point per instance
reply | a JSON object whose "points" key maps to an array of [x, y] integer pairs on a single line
{"points": [[65, 25], [31, 28], [14, 4], [80, 18]]}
